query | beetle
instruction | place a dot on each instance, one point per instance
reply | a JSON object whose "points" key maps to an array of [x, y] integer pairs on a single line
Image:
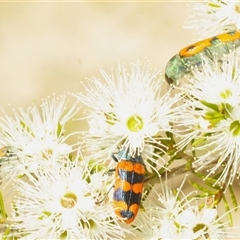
{"points": [[129, 176], [197, 53]]}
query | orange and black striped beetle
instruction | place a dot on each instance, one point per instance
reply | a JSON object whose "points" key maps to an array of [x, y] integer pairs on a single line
{"points": [[129, 176], [196, 54]]}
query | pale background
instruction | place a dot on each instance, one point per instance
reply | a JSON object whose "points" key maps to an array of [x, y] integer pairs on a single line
{"points": [[51, 47]]}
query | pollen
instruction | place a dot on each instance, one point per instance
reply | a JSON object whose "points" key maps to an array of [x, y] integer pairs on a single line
{"points": [[135, 123]]}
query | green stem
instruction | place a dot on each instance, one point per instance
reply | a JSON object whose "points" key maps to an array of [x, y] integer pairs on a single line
{"points": [[175, 172], [2, 207]]}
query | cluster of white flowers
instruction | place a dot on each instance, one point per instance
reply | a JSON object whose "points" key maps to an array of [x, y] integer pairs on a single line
{"points": [[171, 215], [211, 119], [128, 111], [189, 222], [212, 17], [35, 137], [61, 194], [65, 202]]}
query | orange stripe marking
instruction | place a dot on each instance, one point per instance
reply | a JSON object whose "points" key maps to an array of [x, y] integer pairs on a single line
{"points": [[203, 44]]}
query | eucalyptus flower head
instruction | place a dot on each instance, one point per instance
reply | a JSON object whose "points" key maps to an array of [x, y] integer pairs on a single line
{"points": [[128, 109], [171, 214], [214, 17], [35, 137], [67, 201], [211, 119]]}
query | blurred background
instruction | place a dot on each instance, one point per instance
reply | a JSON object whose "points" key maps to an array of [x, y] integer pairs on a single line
{"points": [[50, 48]]}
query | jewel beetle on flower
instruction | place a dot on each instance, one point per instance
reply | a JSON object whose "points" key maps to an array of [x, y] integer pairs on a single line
{"points": [[129, 176], [195, 54]]}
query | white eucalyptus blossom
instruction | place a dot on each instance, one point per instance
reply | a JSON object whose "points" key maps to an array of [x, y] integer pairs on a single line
{"points": [[67, 201], [171, 215], [35, 137], [211, 119], [213, 17], [128, 109]]}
